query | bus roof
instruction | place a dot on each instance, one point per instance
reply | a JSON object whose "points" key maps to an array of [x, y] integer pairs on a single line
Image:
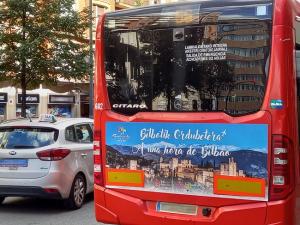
{"points": [[204, 4]]}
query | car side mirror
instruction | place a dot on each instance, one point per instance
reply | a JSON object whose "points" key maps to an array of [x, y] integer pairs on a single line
{"points": [[296, 6]]}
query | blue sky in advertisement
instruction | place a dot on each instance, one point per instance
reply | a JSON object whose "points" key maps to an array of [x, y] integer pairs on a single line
{"points": [[230, 136]]}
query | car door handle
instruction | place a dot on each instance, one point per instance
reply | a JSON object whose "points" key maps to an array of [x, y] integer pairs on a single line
{"points": [[83, 155]]}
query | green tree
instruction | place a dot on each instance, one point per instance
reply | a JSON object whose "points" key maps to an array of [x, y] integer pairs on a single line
{"points": [[40, 42]]}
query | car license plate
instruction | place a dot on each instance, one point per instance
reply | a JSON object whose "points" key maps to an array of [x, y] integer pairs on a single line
{"points": [[13, 162]]}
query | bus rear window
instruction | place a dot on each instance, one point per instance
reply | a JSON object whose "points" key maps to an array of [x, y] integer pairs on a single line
{"points": [[205, 62]]}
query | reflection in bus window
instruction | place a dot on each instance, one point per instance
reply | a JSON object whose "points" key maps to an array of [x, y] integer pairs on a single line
{"points": [[211, 66]]}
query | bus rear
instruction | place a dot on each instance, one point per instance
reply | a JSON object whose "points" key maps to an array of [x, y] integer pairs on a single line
{"points": [[195, 114]]}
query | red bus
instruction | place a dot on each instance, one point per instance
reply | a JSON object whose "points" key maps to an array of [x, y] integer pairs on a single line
{"points": [[196, 114]]}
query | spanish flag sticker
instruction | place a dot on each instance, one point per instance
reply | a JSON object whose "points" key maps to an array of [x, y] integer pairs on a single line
{"points": [[239, 186], [125, 177]]}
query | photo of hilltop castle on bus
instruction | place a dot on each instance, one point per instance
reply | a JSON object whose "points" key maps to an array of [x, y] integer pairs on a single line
{"points": [[191, 169], [162, 173]]}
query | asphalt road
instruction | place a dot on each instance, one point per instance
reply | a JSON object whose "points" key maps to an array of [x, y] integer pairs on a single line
{"points": [[25, 211]]}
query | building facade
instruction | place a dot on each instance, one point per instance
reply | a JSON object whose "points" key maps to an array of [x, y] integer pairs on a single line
{"points": [[102, 6], [66, 99]]}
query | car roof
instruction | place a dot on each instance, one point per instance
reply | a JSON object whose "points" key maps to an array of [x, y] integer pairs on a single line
{"points": [[60, 123]]}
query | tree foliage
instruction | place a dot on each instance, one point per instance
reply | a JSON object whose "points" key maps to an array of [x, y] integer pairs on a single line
{"points": [[41, 41]]}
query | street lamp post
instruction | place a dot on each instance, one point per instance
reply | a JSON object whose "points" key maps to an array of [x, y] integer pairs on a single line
{"points": [[91, 64]]}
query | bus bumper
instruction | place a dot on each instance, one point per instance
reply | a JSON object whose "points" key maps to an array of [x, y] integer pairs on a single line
{"points": [[116, 208]]}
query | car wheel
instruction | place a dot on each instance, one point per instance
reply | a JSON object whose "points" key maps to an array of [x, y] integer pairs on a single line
{"points": [[77, 193], [2, 199]]}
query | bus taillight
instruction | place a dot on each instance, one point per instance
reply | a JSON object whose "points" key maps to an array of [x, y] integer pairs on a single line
{"points": [[282, 168], [97, 159]]}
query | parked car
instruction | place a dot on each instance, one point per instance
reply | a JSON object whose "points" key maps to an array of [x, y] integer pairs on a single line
{"points": [[47, 158]]}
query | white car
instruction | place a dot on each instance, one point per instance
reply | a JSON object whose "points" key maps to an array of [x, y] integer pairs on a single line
{"points": [[47, 158]]}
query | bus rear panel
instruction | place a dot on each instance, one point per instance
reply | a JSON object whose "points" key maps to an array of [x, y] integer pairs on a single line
{"points": [[195, 115]]}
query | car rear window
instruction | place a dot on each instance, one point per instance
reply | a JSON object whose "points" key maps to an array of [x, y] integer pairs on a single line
{"points": [[214, 59], [23, 138]]}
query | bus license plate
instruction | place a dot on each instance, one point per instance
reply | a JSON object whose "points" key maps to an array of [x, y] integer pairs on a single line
{"points": [[169, 207]]}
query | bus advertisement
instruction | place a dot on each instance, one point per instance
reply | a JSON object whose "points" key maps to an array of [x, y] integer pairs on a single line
{"points": [[196, 114]]}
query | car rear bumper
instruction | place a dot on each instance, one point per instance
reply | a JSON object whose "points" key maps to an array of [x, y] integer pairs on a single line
{"points": [[28, 191], [56, 180], [115, 208]]}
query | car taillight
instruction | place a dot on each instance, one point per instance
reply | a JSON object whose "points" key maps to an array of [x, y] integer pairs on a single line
{"points": [[282, 168], [50, 190], [53, 154], [98, 175]]}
